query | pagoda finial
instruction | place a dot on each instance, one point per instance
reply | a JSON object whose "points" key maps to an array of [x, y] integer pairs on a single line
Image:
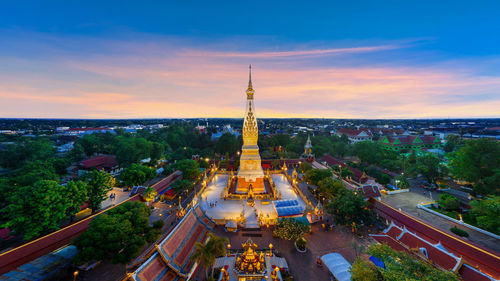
{"points": [[250, 76]]}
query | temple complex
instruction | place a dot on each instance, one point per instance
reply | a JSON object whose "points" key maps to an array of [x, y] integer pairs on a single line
{"points": [[250, 174]]}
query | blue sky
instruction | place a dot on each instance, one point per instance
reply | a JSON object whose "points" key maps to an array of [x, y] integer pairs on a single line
{"points": [[165, 59]]}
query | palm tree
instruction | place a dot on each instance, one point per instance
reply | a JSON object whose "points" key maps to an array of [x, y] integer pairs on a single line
{"points": [[213, 248]]}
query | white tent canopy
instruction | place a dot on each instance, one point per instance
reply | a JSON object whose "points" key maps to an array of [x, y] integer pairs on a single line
{"points": [[338, 266]]}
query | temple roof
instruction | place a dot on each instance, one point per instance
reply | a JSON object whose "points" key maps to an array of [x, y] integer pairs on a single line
{"points": [[172, 257]]}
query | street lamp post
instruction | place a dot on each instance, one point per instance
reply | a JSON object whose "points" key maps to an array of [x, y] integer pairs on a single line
{"points": [[75, 274]]}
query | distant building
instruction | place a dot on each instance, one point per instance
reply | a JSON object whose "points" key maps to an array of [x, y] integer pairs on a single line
{"points": [[227, 129], [355, 135], [106, 163], [84, 131], [409, 142]]}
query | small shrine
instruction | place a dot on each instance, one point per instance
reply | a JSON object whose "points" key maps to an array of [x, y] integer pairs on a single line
{"points": [[251, 264]]}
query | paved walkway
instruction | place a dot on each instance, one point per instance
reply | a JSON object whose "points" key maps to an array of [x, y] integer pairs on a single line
{"points": [[120, 196], [302, 266], [408, 202]]}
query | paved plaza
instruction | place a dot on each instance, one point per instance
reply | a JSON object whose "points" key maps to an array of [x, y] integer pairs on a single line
{"points": [[218, 208], [302, 266]]}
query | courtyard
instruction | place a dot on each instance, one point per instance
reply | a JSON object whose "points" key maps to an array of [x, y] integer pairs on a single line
{"points": [[302, 266], [218, 208]]}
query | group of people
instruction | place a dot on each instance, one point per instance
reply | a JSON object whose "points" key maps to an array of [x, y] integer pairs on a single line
{"points": [[112, 196], [213, 204]]}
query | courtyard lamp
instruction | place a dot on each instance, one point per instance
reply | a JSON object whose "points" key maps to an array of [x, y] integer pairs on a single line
{"points": [[270, 249], [75, 274], [228, 249]]}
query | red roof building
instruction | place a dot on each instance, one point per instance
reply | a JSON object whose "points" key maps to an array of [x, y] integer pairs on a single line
{"points": [[107, 163], [358, 175], [170, 258], [416, 234], [355, 135], [409, 142], [370, 191]]}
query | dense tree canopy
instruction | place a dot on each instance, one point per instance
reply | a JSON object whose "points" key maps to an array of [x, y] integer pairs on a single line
{"points": [[15, 155], [330, 188], [182, 185], [117, 235], [227, 143], [99, 183], [402, 266], [137, 174], [350, 207], [38, 209], [452, 142], [428, 166], [478, 162], [486, 213], [314, 176], [189, 168]]}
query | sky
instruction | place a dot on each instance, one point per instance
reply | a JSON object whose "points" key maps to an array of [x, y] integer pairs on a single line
{"points": [[310, 59]]}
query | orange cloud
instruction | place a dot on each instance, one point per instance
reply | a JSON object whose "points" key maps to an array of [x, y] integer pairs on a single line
{"points": [[189, 82]]}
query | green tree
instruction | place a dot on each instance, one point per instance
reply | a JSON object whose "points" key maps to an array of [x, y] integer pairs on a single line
{"points": [[182, 185], [402, 182], [478, 162], [448, 202], [35, 171], [117, 235], [362, 270], [330, 188], [227, 143], [305, 166], [350, 207], [37, 209], [384, 179], [149, 194], [402, 266], [452, 142], [486, 213], [290, 229], [314, 176], [368, 152], [345, 173], [208, 252], [428, 166], [157, 151], [99, 183], [137, 174], [76, 193], [189, 169]]}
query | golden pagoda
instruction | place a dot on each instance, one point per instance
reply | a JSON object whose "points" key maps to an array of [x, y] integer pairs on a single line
{"points": [[250, 262], [250, 172]]}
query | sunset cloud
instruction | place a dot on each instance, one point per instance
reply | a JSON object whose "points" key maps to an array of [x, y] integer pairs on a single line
{"points": [[170, 78]]}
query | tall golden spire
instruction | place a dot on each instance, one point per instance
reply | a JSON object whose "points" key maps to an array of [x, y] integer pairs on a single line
{"points": [[250, 90]]}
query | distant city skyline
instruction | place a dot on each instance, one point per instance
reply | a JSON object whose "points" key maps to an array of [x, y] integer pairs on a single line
{"points": [[178, 60]]}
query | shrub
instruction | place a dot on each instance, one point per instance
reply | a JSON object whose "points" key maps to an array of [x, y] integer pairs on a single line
{"points": [[290, 229], [301, 243], [448, 202], [459, 232], [158, 224]]}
